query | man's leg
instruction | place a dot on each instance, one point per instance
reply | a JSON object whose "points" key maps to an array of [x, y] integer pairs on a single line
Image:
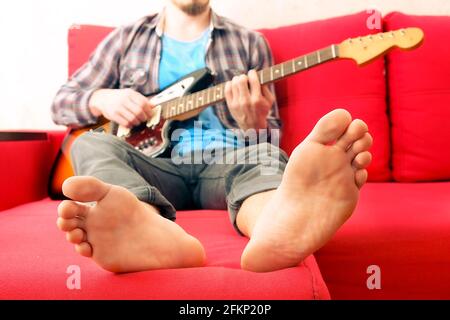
{"points": [[318, 193], [128, 229]]}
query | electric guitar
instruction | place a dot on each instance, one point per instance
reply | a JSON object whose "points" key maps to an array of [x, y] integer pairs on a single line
{"points": [[192, 94]]}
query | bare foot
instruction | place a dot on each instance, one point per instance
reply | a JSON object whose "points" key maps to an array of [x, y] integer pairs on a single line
{"points": [[121, 233], [318, 193]]}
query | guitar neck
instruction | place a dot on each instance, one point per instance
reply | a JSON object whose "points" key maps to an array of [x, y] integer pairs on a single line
{"points": [[213, 95]]}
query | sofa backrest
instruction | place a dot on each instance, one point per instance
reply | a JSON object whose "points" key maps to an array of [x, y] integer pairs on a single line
{"points": [[419, 93]]}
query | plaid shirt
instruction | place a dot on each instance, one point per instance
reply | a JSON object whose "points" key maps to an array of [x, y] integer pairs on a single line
{"points": [[129, 58]]}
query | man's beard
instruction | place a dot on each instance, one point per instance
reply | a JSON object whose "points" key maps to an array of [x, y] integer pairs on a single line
{"points": [[194, 8]]}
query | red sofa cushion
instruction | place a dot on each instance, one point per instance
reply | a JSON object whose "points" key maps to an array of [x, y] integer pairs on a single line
{"points": [[35, 258], [404, 228], [25, 167], [304, 98], [419, 89]]}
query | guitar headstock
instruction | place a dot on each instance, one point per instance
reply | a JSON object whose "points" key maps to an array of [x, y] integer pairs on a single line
{"points": [[365, 49]]}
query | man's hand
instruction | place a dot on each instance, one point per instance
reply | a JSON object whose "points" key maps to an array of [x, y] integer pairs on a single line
{"points": [[249, 102], [124, 106]]}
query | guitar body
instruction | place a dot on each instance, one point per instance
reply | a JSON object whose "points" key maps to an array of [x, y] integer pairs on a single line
{"points": [[151, 138]]}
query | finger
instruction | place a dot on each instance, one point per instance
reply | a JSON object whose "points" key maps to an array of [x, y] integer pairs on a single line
{"points": [[129, 116], [244, 91], [137, 109], [117, 117], [229, 94], [255, 86], [268, 94], [149, 110], [144, 104], [235, 88]]}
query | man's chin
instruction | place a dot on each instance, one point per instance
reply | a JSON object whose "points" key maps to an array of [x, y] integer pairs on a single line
{"points": [[194, 8]]}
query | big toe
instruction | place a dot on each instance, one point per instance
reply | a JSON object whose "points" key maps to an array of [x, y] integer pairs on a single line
{"points": [[331, 126], [85, 189]]}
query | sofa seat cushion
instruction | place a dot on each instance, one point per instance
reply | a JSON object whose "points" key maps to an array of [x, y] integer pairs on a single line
{"points": [[419, 88], [35, 258], [306, 97], [402, 228]]}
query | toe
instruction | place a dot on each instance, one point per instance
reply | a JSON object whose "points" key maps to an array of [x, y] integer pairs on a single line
{"points": [[84, 249], [69, 224], [76, 236], [360, 145], [70, 210], [331, 126], [355, 131], [361, 177], [85, 189], [362, 160]]}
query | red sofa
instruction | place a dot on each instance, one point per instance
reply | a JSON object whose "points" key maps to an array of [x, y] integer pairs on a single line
{"points": [[401, 224]]}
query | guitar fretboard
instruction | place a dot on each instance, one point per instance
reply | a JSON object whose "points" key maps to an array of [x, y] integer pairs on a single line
{"points": [[216, 94]]}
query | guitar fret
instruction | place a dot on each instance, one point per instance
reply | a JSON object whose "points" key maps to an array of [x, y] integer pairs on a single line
{"points": [[195, 100], [178, 107], [276, 72], [312, 60], [165, 109], [265, 75], [287, 69], [219, 92], [201, 98], [173, 109], [208, 99], [189, 103]]}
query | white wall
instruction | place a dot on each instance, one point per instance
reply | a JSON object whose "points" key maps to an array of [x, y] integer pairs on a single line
{"points": [[33, 47]]}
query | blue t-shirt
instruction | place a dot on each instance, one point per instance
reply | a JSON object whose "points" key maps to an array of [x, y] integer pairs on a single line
{"points": [[178, 59]]}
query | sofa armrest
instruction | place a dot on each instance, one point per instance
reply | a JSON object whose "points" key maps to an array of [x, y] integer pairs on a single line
{"points": [[26, 159]]}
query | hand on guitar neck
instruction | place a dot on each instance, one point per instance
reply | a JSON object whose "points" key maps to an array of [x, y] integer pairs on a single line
{"points": [[248, 101], [126, 107]]}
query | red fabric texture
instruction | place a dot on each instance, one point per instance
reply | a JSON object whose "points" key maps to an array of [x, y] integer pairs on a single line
{"points": [[306, 97], [419, 86], [34, 265], [24, 169], [402, 228]]}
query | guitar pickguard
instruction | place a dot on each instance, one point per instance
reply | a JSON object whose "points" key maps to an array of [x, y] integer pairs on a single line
{"points": [[152, 138]]}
